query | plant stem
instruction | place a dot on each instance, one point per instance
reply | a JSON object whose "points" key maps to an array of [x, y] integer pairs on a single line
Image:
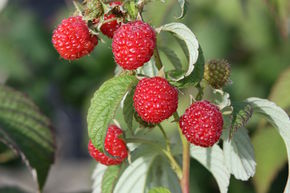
{"points": [[184, 182], [175, 166], [165, 137], [185, 167], [158, 61]]}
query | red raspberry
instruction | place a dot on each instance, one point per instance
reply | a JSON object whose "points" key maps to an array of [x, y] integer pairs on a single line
{"points": [[72, 38], [155, 99], [109, 28], [202, 124], [133, 44], [113, 145]]}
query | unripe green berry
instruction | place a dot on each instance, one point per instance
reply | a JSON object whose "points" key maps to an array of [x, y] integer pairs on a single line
{"points": [[217, 73]]}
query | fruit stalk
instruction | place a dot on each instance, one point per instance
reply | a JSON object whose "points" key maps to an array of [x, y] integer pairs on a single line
{"points": [[158, 61], [184, 182], [185, 166]]}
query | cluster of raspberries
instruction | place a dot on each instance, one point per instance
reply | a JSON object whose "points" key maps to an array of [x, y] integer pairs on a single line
{"points": [[154, 99], [133, 42]]}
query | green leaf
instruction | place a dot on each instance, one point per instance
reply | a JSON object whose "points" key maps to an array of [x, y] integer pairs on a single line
{"points": [[193, 79], [221, 98], [242, 112], [239, 155], [278, 118], [97, 177], [182, 32], [171, 55], [280, 91], [131, 8], [110, 178], [148, 69], [271, 161], [184, 6], [161, 174], [104, 104], [29, 133], [159, 190], [128, 109], [134, 177], [213, 160]]}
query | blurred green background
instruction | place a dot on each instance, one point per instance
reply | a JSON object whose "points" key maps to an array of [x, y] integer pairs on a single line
{"points": [[253, 35]]}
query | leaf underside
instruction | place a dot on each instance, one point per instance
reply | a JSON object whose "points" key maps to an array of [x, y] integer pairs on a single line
{"points": [[279, 119]]}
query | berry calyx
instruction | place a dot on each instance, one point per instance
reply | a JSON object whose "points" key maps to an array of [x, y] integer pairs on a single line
{"points": [[217, 73], [113, 145], [133, 44], [155, 99], [202, 124], [72, 38]]}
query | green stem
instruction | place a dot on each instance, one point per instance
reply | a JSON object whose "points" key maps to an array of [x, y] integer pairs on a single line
{"points": [[165, 137], [200, 92], [175, 166], [158, 61]]}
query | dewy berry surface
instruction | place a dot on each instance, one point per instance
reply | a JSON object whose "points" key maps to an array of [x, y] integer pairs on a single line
{"points": [[113, 145], [155, 99], [202, 124], [133, 44], [72, 39]]}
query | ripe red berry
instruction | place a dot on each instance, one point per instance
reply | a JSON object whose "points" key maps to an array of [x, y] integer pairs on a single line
{"points": [[202, 124], [113, 145], [72, 38], [155, 99], [109, 28], [133, 44]]}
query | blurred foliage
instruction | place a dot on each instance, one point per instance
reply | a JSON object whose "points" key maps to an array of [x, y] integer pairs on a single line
{"points": [[251, 35], [11, 190]]}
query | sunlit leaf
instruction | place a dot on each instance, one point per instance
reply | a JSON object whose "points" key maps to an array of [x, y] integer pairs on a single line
{"points": [[182, 32], [278, 118], [213, 160], [184, 6], [239, 155]]}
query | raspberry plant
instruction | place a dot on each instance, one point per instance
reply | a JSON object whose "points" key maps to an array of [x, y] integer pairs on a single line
{"points": [[142, 100]]}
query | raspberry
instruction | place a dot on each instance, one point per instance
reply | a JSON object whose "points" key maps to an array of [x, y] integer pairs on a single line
{"points": [[133, 44], [110, 27], [113, 145], [155, 99], [217, 73], [72, 39], [202, 124]]}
